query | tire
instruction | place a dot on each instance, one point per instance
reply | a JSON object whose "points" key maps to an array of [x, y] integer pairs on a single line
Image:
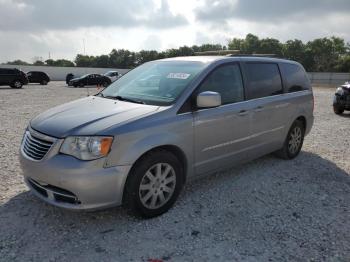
{"points": [[338, 110], [105, 84], [44, 83], [294, 141], [145, 195], [81, 85], [17, 84]]}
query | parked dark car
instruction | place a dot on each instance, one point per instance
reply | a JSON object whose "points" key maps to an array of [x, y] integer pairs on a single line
{"points": [[90, 79], [341, 101], [69, 77], [38, 77], [13, 77]]}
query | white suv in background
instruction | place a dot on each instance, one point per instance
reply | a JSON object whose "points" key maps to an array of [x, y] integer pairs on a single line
{"points": [[113, 75]]}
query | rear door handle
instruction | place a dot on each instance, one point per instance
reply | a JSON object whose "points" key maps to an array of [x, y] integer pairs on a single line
{"points": [[243, 113]]}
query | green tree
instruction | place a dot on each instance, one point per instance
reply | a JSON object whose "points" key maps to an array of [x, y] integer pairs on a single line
{"points": [[122, 58], [83, 60], [325, 53], [270, 46], [17, 62], [39, 63], [145, 56], [236, 44]]}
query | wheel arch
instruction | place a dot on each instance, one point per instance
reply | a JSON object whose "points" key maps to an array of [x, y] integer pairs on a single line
{"points": [[175, 150], [302, 119]]}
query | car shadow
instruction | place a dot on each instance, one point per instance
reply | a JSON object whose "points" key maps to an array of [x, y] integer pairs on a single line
{"points": [[345, 115], [268, 208]]}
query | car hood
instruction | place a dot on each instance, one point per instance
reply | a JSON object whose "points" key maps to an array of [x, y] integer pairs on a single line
{"points": [[75, 79], [88, 116], [346, 86]]}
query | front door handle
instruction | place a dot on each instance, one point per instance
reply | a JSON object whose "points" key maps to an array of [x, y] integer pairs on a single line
{"points": [[243, 113]]}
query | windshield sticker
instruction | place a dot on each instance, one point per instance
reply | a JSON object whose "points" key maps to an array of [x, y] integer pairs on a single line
{"points": [[178, 75]]}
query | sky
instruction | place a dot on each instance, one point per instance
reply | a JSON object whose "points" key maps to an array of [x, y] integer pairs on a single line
{"points": [[37, 29]]}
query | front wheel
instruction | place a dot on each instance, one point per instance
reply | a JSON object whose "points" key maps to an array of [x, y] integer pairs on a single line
{"points": [[105, 84], [44, 82], [338, 110], [154, 184], [17, 84], [294, 141]]}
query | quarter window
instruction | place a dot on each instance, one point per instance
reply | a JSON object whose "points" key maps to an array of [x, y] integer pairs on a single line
{"points": [[295, 77], [227, 81], [264, 80]]}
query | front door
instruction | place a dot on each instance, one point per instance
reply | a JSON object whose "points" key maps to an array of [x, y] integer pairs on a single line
{"points": [[221, 134]]}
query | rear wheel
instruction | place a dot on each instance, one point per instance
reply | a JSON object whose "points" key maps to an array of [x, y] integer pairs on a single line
{"points": [[294, 141], [17, 84], [338, 110], [105, 84], [81, 84], [43, 82], [154, 184]]}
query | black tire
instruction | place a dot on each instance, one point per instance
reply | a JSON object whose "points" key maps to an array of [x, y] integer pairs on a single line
{"points": [[288, 151], [338, 110], [105, 84], [17, 84], [43, 82], [132, 194], [81, 85]]}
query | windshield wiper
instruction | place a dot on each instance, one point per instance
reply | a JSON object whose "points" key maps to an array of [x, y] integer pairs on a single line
{"points": [[127, 99], [122, 98]]}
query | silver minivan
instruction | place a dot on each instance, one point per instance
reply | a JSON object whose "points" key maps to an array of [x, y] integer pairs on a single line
{"points": [[141, 139]]}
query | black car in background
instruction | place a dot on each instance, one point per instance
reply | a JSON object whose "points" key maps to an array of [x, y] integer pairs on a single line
{"points": [[341, 101], [13, 77], [89, 80], [38, 77], [69, 77]]}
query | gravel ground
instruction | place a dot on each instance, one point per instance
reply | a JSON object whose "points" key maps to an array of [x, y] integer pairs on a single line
{"points": [[266, 210]]}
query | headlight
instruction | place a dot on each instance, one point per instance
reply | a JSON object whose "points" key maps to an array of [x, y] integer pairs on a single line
{"points": [[87, 147], [339, 91]]}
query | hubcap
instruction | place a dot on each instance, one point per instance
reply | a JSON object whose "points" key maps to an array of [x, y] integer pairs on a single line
{"points": [[295, 140], [17, 84], [157, 185]]}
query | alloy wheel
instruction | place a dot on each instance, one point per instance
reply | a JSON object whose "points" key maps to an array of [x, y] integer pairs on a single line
{"points": [[295, 140], [157, 185]]}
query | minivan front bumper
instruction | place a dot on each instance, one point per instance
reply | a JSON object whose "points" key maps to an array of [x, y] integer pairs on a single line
{"points": [[67, 182]]}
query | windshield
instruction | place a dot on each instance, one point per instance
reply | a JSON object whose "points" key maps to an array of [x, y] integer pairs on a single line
{"points": [[155, 83]]}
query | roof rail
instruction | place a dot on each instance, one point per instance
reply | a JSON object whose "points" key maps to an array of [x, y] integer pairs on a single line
{"points": [[255, 55], [218, 52]]}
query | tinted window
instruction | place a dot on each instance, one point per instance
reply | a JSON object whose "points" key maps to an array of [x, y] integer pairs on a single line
{"points": [[295, 77], [264, 80], [227, 81], [7, 71]]}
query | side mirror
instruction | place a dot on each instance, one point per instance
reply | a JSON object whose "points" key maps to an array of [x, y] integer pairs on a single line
{"points": [[208, 99]]}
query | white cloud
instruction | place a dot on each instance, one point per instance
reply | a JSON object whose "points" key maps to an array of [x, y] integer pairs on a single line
{"points": [[30, 28]]}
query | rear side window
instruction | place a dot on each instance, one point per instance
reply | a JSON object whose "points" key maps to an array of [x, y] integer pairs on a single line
{"points": [[295, 78], [7, 71], [264, 79], [227, 81]]}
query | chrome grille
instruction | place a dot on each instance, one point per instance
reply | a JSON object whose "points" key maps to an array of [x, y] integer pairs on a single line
{"points": [[36, 145]]}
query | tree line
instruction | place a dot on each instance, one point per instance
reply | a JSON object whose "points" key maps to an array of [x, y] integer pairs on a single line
{"points": [[328, 54]]}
